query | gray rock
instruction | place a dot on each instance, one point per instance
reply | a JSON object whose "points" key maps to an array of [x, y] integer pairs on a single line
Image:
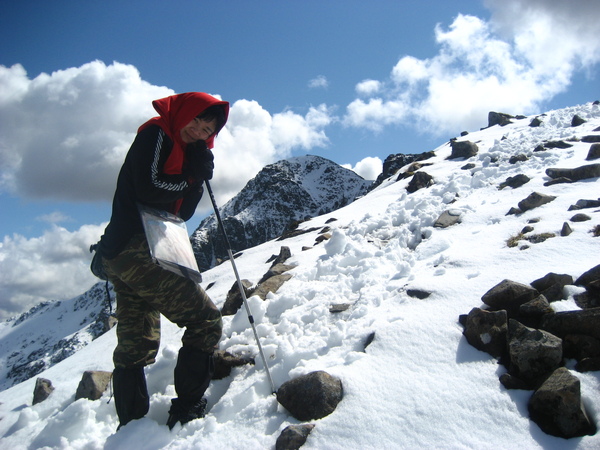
{"points": [[448, 218], [509, 295], [533, 353], [43, 389], [463, 149], [312, 396], [576, 174], [534, 200], [293, 437], [486, 331], [93, 384], [557, 409], [593, 152]]}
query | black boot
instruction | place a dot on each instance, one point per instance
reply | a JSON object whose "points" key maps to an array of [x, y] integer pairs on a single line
{"points": [[131, 394], [193, 373]]}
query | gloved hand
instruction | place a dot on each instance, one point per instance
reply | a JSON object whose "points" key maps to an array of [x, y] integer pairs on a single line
{"points": [[200, 161]]}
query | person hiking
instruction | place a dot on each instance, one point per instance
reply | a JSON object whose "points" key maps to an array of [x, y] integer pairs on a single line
{"points": [[164, 169]]}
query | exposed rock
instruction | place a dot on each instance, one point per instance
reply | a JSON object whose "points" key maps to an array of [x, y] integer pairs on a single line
{"points": [[594, 152], [272, 284], [591, 138], [566, 229], [563, 323], [284, 254], [496, 118], [534, 200], [583, 204], [276, 269], [588, 365], [312, 396], [486, 331], [225, 361], [580, 346], [557, 144], [234, 300], [552, 284], [580, 217], [556, 407], [393, 163], [420, 180], [509, 295], [514, 182], [517, 158], [293, 437], [93, 384], [576, 121], [576, 174], [535, 308], [463, 149], [448, 218], [589, 277], [339, 307], [533, 353], [535, 122], [418, 293], [43, 389]]}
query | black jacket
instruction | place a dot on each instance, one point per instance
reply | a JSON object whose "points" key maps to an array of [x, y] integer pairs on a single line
{"points": [[142, 181]]}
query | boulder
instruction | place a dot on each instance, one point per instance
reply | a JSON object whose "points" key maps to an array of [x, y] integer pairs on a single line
{"points": [[463, 149], [293, 437], [43, 389], [509, 295], [486, 331], [312, 396], [93, 384], [534, 200], [557, 409]]}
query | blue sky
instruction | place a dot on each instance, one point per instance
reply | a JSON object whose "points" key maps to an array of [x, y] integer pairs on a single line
{"points": [[352, 81]]}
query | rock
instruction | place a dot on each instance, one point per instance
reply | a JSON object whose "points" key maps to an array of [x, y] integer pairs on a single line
{"points": [[533, 353], [271, 285], [557, 144], [284, 254], [593, 152], [576, 121], [509, 295], [418, 293], [552, 284], [517, 158], [580, 217], [339, 307], [588, 365], [448, 218], [496, 118], [486, 331], [576, 174], [312, 396], [43, 389], [225, 361], [557, 409], [515, 182], [591, 138], [293, 437], [419, 180], [580, 346], [534, 200], [276, 269], [562, 323], [583, 204], [535, 122], [93, 384], [463, 149], [589, 277], [234, 300], [512, 382], [535, 308], [566, 229]]}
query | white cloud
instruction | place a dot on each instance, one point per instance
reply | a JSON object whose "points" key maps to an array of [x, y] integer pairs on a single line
{"points": [[368, 87], [526, 54], [369, 168], [318, 82], [54, 217], [51, 267]]}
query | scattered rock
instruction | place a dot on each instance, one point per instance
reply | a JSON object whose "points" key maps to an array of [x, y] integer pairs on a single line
{"points": [[535, 122], [43, 389], [509, 295], [312, 396], [420, 180], [339, 307], [576, 121], [234, 300], [418, 293], [594, 152], [534, 200], [93, 384], [533, 353], [591, 138], [576, 174], [566, 229], [272, 284], [496, 118], [580, 217], [486, 331], [556, 407], [583, 204], [225, 361], [552, 284], [463, 149], [563, 323], [293, 437], [514, 182], [448, 218]]}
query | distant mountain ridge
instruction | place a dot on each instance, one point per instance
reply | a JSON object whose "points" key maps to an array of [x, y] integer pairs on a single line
{"points": [[281, 193]]}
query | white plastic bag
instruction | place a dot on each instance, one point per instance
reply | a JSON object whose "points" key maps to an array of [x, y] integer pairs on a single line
{"points": [[169, 242]]}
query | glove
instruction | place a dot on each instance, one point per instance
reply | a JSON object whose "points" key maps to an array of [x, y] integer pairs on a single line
{"points": [[200, 161]]}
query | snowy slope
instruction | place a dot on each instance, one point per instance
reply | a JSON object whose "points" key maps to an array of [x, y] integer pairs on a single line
{"points": [[418, 384]]}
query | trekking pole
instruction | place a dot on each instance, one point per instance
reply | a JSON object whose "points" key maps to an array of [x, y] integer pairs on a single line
{"points": [[239, 283]]}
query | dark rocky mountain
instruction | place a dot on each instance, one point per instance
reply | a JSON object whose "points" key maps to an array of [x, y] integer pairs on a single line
{"points": [[283, 193]]}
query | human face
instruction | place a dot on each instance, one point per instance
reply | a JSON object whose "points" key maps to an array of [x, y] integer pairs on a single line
{"points": [[197, 129]]}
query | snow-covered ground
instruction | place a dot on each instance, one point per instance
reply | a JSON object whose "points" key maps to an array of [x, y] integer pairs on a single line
{"points": [[419, 384]]}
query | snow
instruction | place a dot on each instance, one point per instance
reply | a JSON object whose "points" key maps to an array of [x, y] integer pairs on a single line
{"points": [[419, 384]]}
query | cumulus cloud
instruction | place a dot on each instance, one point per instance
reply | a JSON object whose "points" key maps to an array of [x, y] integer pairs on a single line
{"points": [[318, 82], [63, 136], [51, 267], [527, 53], [369, 168]]}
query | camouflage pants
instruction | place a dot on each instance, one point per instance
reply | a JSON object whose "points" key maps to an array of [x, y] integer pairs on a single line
{"points": [[144, 291]]}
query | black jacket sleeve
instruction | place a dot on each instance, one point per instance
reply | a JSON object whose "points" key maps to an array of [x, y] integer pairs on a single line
{"points": [[149, 153]]}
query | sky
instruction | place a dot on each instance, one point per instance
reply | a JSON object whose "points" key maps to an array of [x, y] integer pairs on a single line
{"points": [[346, 80], [419, 384]]}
